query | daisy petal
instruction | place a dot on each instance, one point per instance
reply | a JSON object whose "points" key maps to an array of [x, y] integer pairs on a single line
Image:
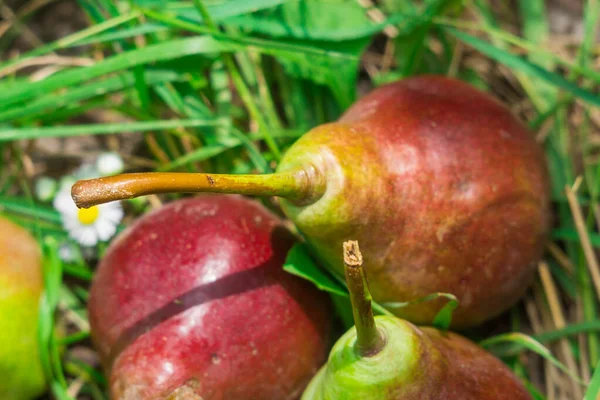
{"points": [[64, 203], [105, 229]]}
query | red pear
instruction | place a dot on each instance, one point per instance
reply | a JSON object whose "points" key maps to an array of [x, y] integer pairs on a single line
{"points": [[191, 302], [445, 189]]}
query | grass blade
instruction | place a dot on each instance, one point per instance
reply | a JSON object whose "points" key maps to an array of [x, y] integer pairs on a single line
{"points": [[520, 64], [593, 391], [529, 343], [100, 129], [159, 52]]}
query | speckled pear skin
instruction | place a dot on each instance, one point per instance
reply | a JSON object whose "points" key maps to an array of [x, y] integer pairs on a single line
{"points": [[191, 302], [21, 285], [443, 187], [415, 364]]}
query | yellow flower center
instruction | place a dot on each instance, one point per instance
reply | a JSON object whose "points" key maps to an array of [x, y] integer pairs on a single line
{"points": [[87, 216]]}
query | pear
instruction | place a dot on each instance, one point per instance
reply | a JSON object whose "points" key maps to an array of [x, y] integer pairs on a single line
{"points": [[386, 358], [21, 286], [445, 189], [191, 303]]}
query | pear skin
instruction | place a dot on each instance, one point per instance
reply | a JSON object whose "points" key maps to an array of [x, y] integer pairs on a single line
{"points": [[20, 290], [191, 302], [386, 358], [415, 364], [443, 187]]}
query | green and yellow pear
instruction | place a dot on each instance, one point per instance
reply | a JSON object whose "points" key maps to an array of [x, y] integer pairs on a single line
{"points": [[386, 358], [21, 374]]}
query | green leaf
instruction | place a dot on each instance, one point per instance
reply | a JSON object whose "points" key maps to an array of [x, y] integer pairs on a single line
{"points": [[343, 309], [443, 318], [298, 262], [337, 73], [331, 20], [412, 47], [529, 343]]}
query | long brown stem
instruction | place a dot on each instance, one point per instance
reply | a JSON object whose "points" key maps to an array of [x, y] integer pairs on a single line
{"points": [[369, 341], [298, 186]]}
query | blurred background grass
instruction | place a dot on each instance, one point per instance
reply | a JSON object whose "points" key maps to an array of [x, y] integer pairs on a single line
{"points": [[228, 85]]}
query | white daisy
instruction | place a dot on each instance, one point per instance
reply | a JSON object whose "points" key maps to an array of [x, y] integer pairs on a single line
{"points": [[86, 171], [88, 225], [45, 188], [109, 164]]}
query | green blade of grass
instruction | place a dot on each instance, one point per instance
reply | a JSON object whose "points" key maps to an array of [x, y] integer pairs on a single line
{"points": [[49, 353], [100, 129], [520, 64], [498, 36], [570, 330], [591, 17], [159, 52], [207, 152], [201, 154], [198, 108], [571, 235], [18, 206], [529, 343], [593, 392], [74, 338], [419, 42], [99, 88], [242, 88], [68, 41]]}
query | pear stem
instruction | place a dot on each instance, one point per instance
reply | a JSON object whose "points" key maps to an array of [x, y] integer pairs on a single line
{"points": [[300, 186], [369, 340]]}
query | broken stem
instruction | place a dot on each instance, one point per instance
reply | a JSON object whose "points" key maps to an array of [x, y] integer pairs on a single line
{"points": [[369, 340]]}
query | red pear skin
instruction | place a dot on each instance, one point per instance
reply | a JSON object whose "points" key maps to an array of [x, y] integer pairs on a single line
{"points": [[468, 372], [443, 187], [191, 302]]}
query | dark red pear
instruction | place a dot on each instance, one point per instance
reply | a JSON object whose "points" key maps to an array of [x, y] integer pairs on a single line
{"points": [[445, 189], [191, 302]]}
